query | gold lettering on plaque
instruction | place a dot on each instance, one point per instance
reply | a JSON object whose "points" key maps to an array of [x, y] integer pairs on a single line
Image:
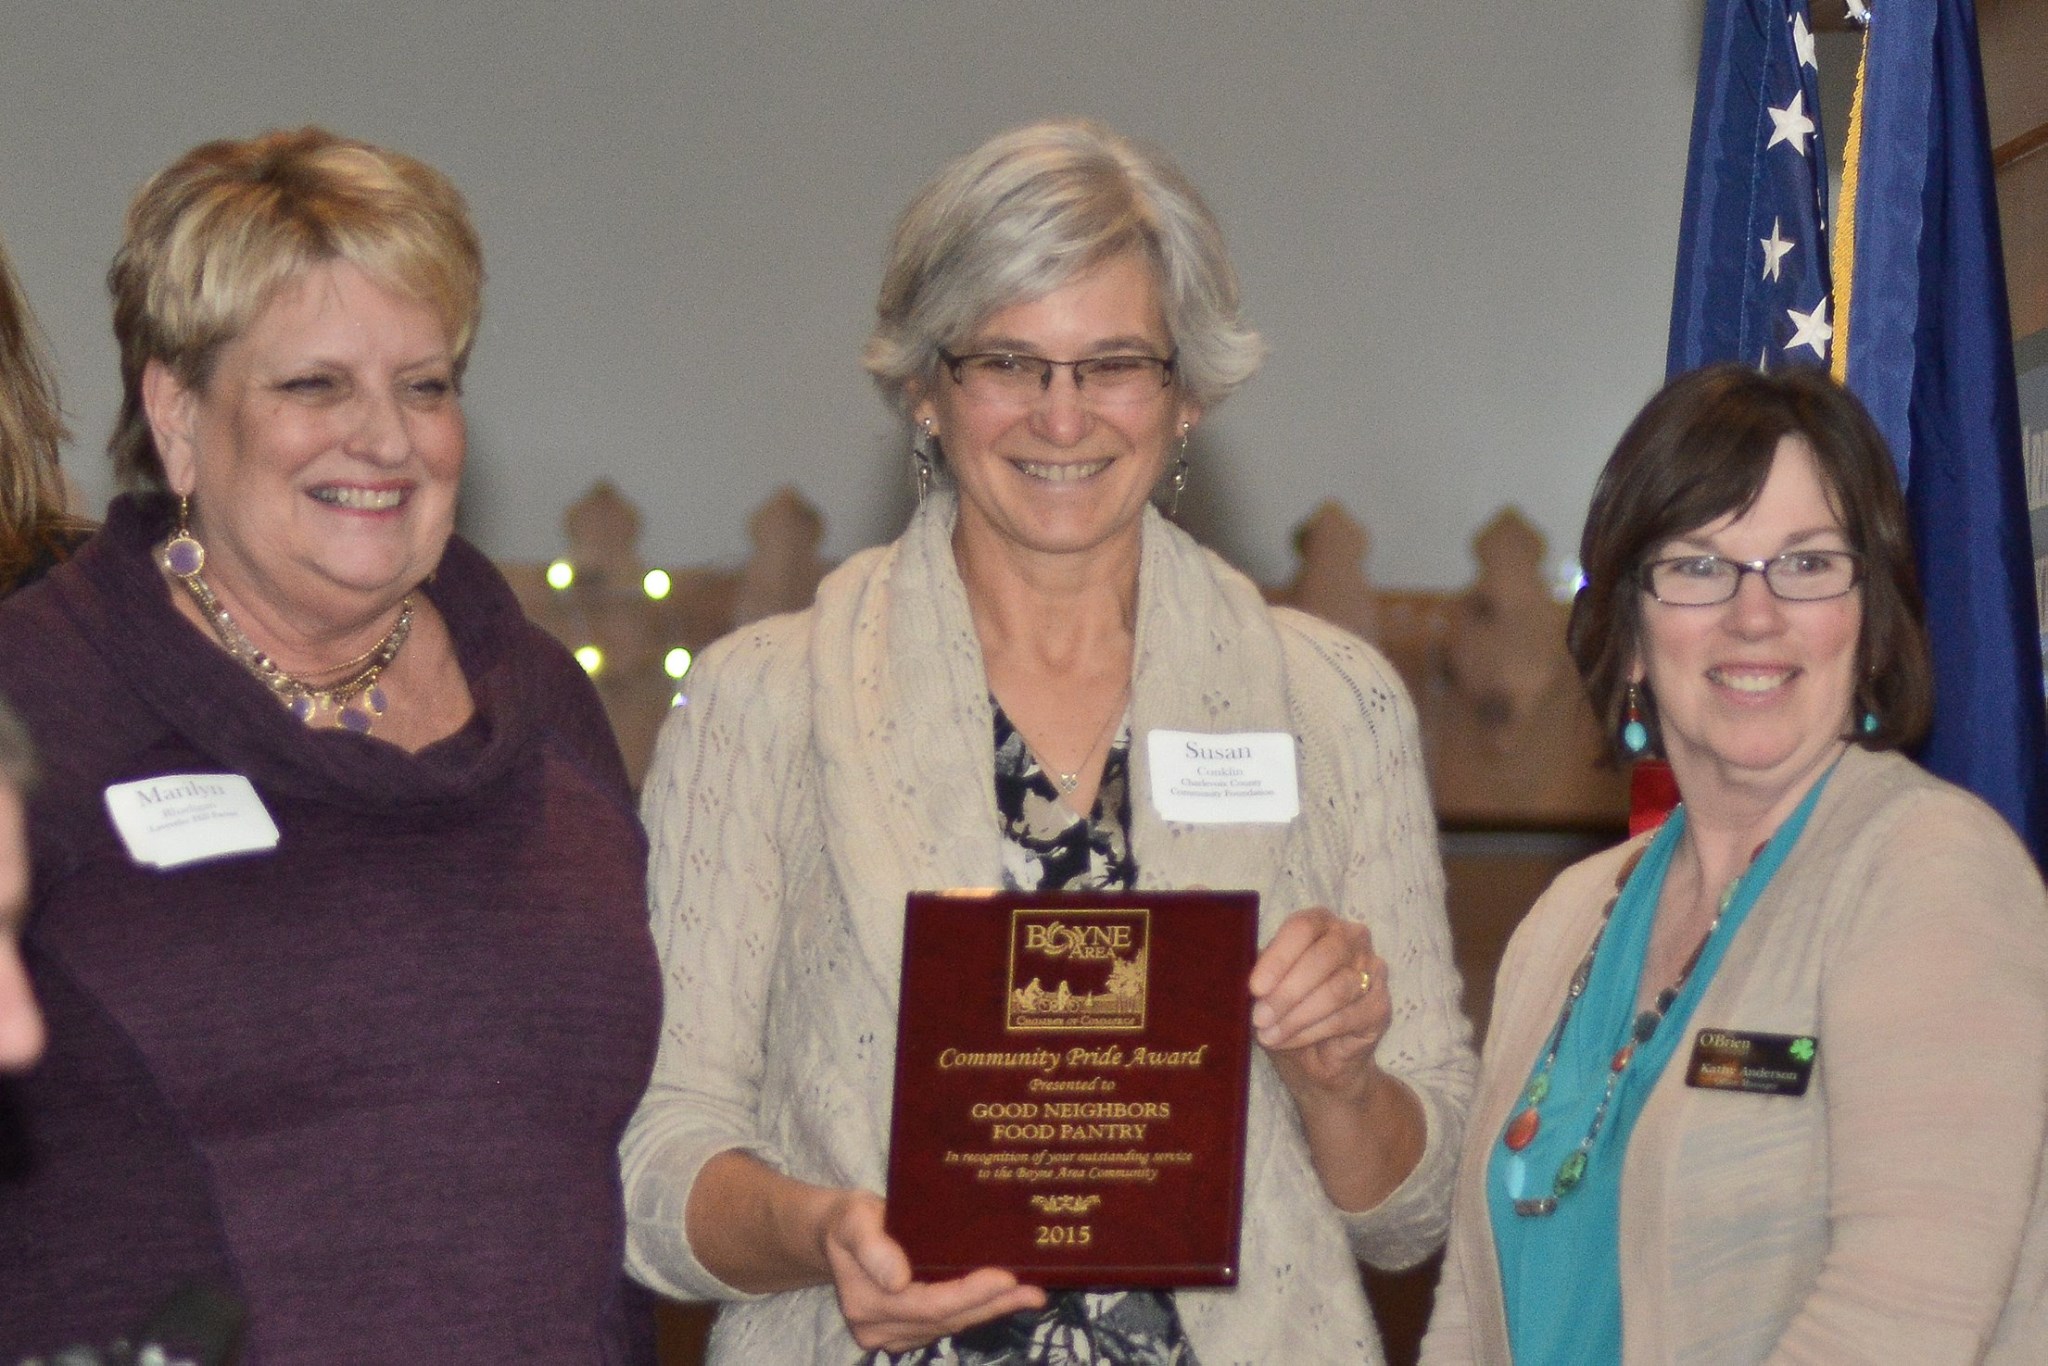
{"points": [[1078, 970]]}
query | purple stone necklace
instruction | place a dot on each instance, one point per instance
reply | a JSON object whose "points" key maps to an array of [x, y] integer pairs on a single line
{"points": [[354, 702]]}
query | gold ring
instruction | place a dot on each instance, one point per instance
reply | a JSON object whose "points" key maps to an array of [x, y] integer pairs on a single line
{"points": [[1364, 983]]}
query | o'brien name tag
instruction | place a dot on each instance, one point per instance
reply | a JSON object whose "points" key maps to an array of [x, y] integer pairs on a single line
{"points": [[1762, 1064], [1071, 1080], [1246, 776], [184, 818]]}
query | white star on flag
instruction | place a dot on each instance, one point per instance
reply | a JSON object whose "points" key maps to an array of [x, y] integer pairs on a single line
{"points": [[1811, 329], [1775, 246], [1790, 124], [1802, 42]]}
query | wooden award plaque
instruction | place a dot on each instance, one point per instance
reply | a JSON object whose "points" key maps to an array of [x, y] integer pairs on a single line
{"points": [[1072, 1070]]}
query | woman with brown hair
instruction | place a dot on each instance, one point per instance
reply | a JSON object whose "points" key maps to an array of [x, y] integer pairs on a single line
{"points": [[35, 529], [1766, 1084]]}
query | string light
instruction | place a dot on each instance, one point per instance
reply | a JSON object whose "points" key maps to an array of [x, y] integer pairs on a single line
{"points": [[657, 583], [591, 658], [561, 574], [676, 662]]}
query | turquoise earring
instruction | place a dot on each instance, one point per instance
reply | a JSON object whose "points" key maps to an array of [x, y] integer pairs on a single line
{"points": [[1635, 736]]}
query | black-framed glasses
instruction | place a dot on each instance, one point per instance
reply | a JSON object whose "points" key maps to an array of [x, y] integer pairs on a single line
{"points": [[1795, 576], [1018, 377]]}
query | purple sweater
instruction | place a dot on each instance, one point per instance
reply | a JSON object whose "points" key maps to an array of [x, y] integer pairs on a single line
{"points": [[371, 1082]]}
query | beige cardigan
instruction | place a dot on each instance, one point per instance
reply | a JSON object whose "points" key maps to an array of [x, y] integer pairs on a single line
{"points": [[827, 763], [1897, 1212]]}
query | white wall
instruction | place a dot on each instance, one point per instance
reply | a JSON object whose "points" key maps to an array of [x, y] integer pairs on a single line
{"points": [[1455, 224]]}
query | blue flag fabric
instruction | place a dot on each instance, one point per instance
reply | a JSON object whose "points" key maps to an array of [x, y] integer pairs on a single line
{"points": [[1930, 354], [1752, 248], [1929, 346]]}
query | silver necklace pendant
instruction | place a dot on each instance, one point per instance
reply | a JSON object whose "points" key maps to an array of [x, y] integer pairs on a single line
{"points": [[1067, 782]]}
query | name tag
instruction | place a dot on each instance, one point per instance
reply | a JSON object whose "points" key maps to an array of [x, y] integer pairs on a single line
{"points": [[1244, 777], [1762, 1064], [184, 818]]}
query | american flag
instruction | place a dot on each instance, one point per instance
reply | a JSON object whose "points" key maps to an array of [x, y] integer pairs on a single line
{"points": [[1752, 279], [1926, 340]]}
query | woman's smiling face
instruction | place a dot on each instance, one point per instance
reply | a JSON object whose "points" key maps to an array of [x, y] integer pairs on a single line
{"points": [[1755, 693], [1062, 472], [324, 453]]}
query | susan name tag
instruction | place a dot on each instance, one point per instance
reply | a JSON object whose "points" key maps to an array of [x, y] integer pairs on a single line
{"points": [[1238, 777], [183, 818], [1762, 1064]]}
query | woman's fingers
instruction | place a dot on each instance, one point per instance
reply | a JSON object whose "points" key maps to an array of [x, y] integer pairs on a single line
{"points": [[885, 1308], [1319, 980]]}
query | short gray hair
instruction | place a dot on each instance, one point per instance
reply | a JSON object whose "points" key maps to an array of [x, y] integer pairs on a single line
{"points": [[1036, 207]]}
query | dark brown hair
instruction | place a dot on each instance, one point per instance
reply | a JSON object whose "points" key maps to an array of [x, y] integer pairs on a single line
{"points": [[33, 522], [1700, 451]]}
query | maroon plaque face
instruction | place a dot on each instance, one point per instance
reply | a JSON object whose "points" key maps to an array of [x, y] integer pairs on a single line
{"points": [[1071, 1077]]}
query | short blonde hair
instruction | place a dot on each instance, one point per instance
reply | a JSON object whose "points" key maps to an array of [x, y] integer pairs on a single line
{"points": [[1036, 207], [211, 239]]}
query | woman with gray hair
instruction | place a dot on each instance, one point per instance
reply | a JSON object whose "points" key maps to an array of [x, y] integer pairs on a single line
{"points": [[959, 709]]}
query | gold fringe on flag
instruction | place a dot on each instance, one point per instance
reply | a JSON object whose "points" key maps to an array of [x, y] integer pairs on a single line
{"points": [[1842, 253]]}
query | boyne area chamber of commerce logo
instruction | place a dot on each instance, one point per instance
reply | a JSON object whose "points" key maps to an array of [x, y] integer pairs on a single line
{"points": [[1078, 970]]}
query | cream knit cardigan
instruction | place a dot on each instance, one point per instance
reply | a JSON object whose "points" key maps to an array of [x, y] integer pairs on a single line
{"points": [[828, 762], [1898, 1211]]}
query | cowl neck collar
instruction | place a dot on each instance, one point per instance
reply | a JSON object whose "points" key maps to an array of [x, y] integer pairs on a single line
{"points": [[122, 604]]}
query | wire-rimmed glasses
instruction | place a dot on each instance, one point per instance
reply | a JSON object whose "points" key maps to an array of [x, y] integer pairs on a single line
{"points": [[1017, 377], [1795, 576]]}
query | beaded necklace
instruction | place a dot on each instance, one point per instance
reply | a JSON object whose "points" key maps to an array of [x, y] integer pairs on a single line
{"points": [[1523, 1128], [353, 702]]}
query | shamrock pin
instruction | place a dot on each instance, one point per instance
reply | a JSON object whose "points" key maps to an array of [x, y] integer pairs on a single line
{"points": [[1802, 1049]]}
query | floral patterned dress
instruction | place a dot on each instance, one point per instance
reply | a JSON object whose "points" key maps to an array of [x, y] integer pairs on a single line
{"points": [[1048, 848]]}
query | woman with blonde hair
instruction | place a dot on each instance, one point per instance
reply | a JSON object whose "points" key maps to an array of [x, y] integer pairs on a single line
{"points": [[338, 917]]}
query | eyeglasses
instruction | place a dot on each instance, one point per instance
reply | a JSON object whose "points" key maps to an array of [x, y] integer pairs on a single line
{"points": [[1795, 576], [1014, 377]]}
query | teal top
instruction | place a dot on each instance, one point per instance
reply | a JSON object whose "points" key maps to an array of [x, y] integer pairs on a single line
{"points": [[1561, 1273]]}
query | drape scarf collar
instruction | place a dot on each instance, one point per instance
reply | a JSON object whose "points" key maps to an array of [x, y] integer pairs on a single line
{"points": [[903, 726]]}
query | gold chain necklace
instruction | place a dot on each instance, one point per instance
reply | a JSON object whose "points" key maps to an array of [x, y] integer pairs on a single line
{"points": [[1067, 780], [354, 702]]}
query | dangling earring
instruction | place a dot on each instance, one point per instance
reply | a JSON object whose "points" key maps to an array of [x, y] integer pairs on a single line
{"points": [[1180, 472], [1635, 736], [182, 555], [921, 463]]}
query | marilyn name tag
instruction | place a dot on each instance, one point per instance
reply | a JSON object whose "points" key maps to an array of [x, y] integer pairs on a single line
{"points": [[1237, 777], [183, 818]]}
